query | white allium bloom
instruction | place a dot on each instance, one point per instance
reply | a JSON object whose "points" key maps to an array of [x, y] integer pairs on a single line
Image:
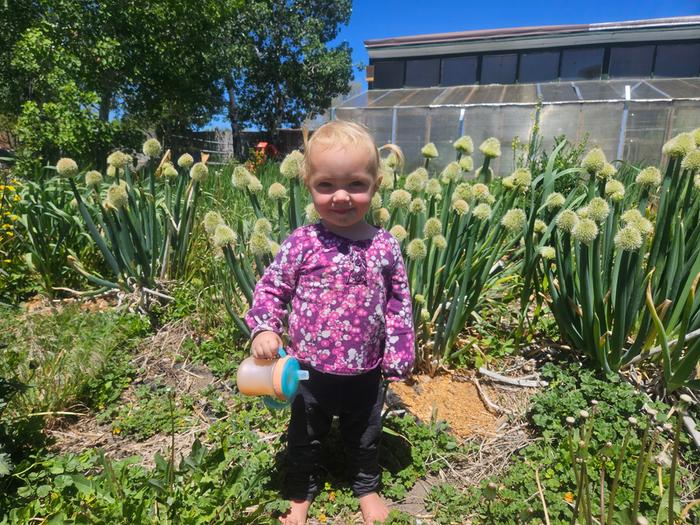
{"points": [[185, 161], [399, 232], [555, 200], [585, 231], [66, 167], [199, 171], [311, 213], [152, 148], [291, 166], [223, 236]]}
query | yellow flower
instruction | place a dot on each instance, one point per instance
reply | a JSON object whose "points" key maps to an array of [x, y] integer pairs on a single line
{"points": [[331, 496], [569, 497], [117, 430]]}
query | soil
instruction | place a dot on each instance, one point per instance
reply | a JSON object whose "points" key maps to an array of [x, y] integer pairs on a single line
{"points": [[445, 397]]}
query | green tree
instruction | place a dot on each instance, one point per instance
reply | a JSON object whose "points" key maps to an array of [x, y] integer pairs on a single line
{"points": [[282, 68], [78, 75]]}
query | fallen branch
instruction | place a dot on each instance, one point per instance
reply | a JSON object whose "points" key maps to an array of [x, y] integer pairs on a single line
{"points": [[692, 430], [493, 407], [511, 381], [657, 349]]}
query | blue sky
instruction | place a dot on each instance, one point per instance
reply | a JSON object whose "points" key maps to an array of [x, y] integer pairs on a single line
{"points": [[381, 19]]}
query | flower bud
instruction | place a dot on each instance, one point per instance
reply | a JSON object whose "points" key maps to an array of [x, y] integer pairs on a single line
{"points": [[416, 249], [223, 236], [514, 220], [117, 197], [254, 185], [567, 220], [691, 161], [491, 148], [466, 164], [451, 172], [434, 189], [417, 206], [585, 231], [382, 216], [291, 166], [152, 148], [462, 191], [259, 244], [312, 215], [66, 167], [440, 242], [432, 227], [614, 190], [460, 206], [547, 252], [399, 199], [481, 192], [185, 161], [649, 177], [211, 220], [555, 200], [598, 209], [93, 179], [593, 161], [262, 226], [198, 172], [399, 232], [429, 151], [118, 160], [522, 179], [482, 211], [416, 180], [680, 145], [464, 145], [276, 191], [628, 239]]}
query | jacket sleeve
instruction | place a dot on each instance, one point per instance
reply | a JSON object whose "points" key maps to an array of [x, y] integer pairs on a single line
{"points": [[275, 289], [399, 352]]}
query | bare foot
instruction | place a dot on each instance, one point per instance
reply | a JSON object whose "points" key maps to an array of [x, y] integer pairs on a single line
{"points": [[373, 508], [296, 515]]}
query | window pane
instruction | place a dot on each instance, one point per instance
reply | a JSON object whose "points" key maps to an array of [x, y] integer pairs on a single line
{"points": [[631, 61], [458, 71], [388, 74], [581, 63], [539, 67], [677, 60], [423, 72], [498, 69]]}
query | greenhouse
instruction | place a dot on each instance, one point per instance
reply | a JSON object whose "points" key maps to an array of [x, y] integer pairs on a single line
{"points": [[628, 119]]}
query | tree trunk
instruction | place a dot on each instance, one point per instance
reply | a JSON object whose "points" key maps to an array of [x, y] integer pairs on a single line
{"points": [[105, 106], [233, 116]]}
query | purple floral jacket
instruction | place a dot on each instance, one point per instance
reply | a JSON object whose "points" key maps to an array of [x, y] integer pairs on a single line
{"points": [[350, 302]]}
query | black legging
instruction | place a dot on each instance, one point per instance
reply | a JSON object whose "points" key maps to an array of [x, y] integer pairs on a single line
{"points": [[357, 400]]}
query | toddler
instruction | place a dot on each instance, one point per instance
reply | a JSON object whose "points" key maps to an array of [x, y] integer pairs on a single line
{"points": [[350, 322]]}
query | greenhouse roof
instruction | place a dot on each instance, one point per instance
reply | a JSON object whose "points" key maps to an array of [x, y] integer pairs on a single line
{"points": [[588, 91]]}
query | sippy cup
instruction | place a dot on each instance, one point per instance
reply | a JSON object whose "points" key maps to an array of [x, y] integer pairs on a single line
{"points": [[276, 379]]}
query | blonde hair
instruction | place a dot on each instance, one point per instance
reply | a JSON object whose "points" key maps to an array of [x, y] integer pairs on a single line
{"points": [[341, 134]]}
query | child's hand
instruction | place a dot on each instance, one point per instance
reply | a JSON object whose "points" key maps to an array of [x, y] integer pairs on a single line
{"points": [[265, 345]]}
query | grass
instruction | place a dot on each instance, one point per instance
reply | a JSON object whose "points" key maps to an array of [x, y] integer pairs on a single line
{"points": [[57, 354]]}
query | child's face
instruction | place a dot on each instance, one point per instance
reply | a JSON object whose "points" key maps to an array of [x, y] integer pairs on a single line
{"points": [[341, 185]]}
